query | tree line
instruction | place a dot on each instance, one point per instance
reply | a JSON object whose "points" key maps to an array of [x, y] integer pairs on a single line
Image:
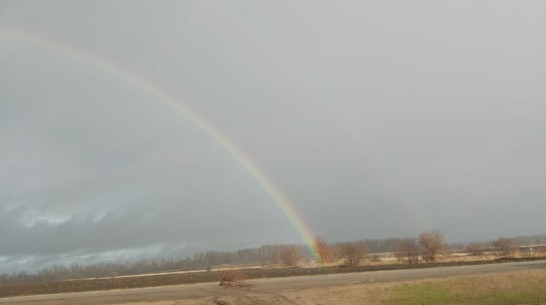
{"points": [[426, 247]]}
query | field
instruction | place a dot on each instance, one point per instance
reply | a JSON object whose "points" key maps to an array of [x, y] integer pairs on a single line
{"points": [[177, 278], [520, 287], [522, 282]]}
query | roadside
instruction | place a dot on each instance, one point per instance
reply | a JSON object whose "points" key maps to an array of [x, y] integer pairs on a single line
{"points": [[325, 289], [155, 280]]}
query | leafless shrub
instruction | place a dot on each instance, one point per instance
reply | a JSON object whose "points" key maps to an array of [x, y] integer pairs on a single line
{"points": [[234, 278], [325, 252], [506, 246], [475, 248], [289, 255], [353, 253], [432, 244], [407, 251]]}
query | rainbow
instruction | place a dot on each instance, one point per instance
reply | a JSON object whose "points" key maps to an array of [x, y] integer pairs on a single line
{"points": [[222, 140]]}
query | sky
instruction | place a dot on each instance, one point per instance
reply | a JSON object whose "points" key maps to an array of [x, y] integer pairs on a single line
{"points": [[372, 119]]}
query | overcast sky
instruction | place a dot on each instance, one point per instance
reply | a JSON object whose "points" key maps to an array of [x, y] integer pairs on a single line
{"points": [[376, 118]]}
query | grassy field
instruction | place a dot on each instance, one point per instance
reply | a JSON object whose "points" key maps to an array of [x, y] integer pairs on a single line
{"points": [[513, 288], [510, 288], [469, 285]]}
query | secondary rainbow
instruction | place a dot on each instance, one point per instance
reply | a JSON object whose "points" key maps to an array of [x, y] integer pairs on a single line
{"points": [[155, 91]]}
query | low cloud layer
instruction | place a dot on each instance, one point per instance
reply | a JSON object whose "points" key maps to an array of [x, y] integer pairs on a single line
{"points": [[376, 120]]}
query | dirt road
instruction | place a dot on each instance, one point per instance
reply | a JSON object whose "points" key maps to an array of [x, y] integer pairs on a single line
{"points": [[264, 291]]}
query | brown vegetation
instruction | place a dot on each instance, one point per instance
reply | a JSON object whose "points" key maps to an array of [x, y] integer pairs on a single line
{"points": [[407, 251], [432, 244], [289, 255], [475, 248], [48, 287], [506, 246], [270, 254], [326, 253], [234, 278], [353, 253]]}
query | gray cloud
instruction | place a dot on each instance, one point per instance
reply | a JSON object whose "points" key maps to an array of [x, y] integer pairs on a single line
{"points": [[377, 120]]}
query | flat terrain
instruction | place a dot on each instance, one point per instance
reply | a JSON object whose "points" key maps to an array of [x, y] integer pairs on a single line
{"points": [[317, 289], [22, 288]]}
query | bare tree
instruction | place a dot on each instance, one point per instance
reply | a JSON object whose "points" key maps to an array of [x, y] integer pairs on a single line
{"points": [[407, 251], [474, 248], [432, 243], [289, 255], [326, 253], [353, 253], [506, 246]]}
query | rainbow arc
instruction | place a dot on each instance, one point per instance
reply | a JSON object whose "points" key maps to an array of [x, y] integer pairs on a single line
{"points": [[156, 92]]}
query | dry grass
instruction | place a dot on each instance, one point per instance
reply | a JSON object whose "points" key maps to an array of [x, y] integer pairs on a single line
{"points": [[234, 278], [522, 287]]}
